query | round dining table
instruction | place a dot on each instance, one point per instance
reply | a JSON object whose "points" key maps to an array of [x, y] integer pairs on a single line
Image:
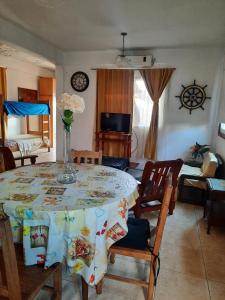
{"points": [[71, 223]]}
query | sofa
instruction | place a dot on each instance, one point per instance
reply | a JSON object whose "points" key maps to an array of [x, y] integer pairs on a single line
{"points": [[192, 180]]}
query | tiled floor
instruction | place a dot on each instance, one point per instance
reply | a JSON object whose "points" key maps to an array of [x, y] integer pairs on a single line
{"points": [[192, 264], [43, 156]]}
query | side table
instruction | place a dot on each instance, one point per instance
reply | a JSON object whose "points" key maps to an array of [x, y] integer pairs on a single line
{"points": [[216, 189]]}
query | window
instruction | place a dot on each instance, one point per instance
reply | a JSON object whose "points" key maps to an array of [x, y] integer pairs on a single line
{"points": [[142, 110]]}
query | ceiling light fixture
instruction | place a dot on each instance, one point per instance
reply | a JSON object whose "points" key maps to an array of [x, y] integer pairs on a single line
{"points": [[133, 61], [121, 60]]}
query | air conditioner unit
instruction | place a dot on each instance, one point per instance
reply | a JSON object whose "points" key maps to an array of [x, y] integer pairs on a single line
{"points": [[136, 61], [140, 60]]}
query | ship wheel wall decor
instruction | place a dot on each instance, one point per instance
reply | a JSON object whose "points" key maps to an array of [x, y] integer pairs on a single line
{"points": [[193, 96]]}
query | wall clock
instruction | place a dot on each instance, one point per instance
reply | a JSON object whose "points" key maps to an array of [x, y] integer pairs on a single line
{"points": [[193, 96], [79, 81]]}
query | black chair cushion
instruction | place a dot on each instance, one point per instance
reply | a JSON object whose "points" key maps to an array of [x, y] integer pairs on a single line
{"points": [[137, 236], [115, 162]]}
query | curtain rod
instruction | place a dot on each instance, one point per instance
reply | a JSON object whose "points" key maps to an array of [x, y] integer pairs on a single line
{"points": [[135, 69]]}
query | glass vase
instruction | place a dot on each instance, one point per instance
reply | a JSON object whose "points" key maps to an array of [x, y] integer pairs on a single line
{"points": [[69, 174]]}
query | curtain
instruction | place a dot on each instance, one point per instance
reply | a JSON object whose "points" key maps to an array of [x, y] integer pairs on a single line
{"points": [[142, 108], [3, 93], [114, 95], [155, 81]]}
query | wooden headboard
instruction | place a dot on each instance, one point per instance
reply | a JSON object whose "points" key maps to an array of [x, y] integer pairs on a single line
{"points": [[31, 96], [27, 95]]}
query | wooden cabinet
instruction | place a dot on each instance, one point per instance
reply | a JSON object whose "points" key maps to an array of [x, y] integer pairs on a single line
{"points": [[46, 94], [112, 143]]}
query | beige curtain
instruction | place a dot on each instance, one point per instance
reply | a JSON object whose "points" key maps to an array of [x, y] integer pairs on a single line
{"points": [[115, 95], [3, 97], [155, 81]]}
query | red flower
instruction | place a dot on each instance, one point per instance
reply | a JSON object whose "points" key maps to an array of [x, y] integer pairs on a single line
{"points": [[92, 278]]}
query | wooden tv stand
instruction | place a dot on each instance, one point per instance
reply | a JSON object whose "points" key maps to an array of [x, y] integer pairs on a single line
{"points": [[113, 137]]}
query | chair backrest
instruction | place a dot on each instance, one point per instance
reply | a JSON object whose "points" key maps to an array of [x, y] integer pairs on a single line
{"points": [[163, 213], [86, 156], [2, 165], [9, 277], [9, 162], [154, 176]]}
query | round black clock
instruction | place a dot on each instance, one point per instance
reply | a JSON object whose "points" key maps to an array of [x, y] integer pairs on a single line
{"points": [[79, 81]]}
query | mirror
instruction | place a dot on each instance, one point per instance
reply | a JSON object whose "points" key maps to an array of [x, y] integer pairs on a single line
{"points": [[221, 130]]}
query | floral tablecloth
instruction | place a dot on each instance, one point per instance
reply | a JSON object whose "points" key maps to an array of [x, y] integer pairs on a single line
{"points": [[75, 223]]}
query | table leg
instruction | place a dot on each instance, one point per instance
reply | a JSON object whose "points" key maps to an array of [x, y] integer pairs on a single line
{"points": [[210, 214], [205, 197], [33, 160], [84, 289], [112, 258], [205, 210], [98, 287], [22, 161]]}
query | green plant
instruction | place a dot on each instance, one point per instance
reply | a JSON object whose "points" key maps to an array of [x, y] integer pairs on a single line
{"points": [[198, 150]]}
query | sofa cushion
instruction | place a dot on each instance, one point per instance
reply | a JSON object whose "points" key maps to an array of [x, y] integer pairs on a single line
{"points": [[188, 170], [209, 165], [137, 236], [196, 183]]}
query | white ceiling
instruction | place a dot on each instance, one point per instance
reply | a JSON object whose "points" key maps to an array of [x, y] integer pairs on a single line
{"points": [[96, 24], [25, 55]]}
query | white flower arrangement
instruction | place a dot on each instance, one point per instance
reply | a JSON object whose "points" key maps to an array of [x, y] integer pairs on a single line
{"points": [[70, 104], [74, 103]]}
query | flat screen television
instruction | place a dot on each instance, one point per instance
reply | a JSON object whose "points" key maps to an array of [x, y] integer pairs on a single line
{"points": [[115, 122]]}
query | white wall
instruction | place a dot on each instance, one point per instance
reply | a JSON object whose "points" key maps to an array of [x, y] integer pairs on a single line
{"points": [[20, 74], [218, 141], [84, 124], [180, 130]]}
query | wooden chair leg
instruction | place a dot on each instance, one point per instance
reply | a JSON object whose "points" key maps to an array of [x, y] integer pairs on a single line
{"points": [[171, 207], [84, 289], [151, 283], [112, 258], [99, 287], [205, 210], [57, 280]]}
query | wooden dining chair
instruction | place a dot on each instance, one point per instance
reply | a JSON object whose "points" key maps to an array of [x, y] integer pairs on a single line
{"points": [[17, 281], [2, 165], [86, 156], [151, 188], [139, 247], [8, 159]]}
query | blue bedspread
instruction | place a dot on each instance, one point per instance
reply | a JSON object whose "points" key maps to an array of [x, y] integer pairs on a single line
{"points": [[25, 108]]}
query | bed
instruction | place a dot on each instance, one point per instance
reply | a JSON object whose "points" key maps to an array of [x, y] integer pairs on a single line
{"points": [[32, 141], [26, 143]]}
